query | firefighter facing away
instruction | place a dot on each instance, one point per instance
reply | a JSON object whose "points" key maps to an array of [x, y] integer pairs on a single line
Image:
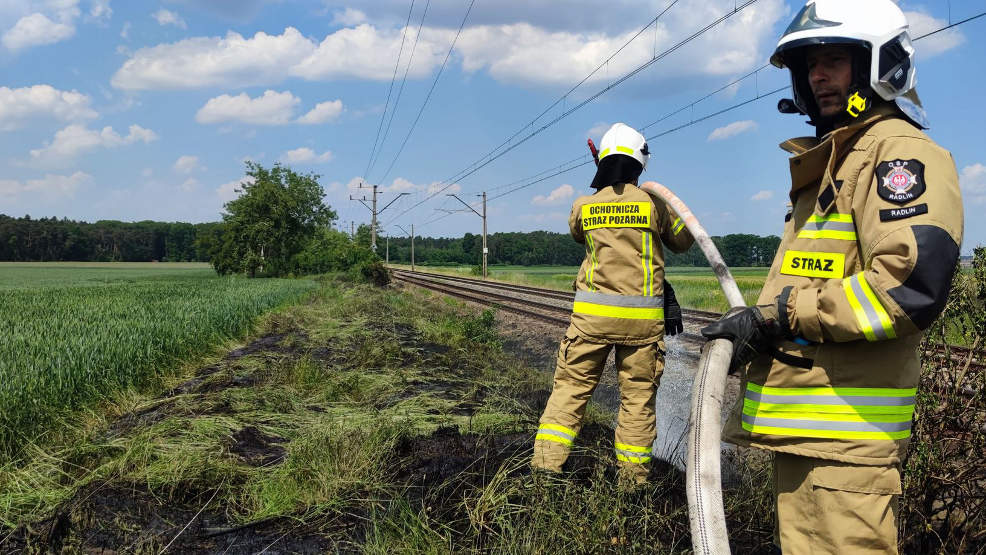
{"points": [[864, 266], [621, 303]]}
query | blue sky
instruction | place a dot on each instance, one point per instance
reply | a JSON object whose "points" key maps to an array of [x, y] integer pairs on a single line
{"points": [[147, 110]]}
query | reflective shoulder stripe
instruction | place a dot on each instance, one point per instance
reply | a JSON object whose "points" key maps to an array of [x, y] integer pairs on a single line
{"points": [[831, 226], [825, 412], [633, 453], [646, 258], [677, 226], [593, 262], [872, 317]]}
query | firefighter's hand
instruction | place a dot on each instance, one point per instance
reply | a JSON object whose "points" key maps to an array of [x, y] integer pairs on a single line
{"points": [[753, 331], [672, 312]]}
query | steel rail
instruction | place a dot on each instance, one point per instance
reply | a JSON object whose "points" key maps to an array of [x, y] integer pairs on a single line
{"points": [[693, 315], [502, 301]]}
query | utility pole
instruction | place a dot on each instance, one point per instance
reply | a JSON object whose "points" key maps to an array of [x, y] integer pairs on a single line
{"points": [[373, 210], [412, 244], [483, 216], [388, 250], [352, 229]]}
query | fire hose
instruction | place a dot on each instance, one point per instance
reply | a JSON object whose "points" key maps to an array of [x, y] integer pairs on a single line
{"points": [[703, 473]]}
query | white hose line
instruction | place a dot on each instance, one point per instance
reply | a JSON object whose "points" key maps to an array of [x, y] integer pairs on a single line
{"points": [[703, 472]]}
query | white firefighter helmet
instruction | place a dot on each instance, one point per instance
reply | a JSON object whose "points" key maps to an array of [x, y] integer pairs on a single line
{"points": [[878, 29], [625, 140]]}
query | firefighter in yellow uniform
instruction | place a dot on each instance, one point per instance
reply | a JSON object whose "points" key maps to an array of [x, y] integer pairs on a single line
{"points": [[864, 266], [620, 303]]}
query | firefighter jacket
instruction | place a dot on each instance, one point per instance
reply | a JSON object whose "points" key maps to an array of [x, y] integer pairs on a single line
{"points": [[620, 286], [865, 264]]}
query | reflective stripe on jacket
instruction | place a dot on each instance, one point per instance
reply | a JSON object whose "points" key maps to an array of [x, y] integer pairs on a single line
{"points": [[867, 256], [620, 286]]}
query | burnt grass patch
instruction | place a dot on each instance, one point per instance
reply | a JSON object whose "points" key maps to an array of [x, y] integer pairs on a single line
{"points": [[405, 431]]}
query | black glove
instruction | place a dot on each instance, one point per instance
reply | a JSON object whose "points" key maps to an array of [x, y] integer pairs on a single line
{"points": [[672, 312], [752, 330]]}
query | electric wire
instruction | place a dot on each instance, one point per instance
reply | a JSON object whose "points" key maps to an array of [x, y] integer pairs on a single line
{"points": [[430, 91], [383, 116], [462, 175], [585, 159], [570, 91], [400, 91]]}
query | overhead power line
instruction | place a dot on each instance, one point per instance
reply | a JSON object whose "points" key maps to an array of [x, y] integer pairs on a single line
{"points": [[430, 91], [580, 161], [400, 91], [487, 159], [383, 116]]}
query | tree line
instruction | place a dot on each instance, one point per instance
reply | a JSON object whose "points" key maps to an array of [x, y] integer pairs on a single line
{"points": [[559, 249], [279, 225], [51, 239]]}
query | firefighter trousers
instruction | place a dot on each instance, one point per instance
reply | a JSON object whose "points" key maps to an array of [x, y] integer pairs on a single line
{"points": [[579, 367], [833, 507]]}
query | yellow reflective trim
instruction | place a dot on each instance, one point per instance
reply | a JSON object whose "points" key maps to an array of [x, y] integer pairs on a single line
{"points": [[557, 428], [826, 434], [615, 215], [861, 318], [833, 413], [629, 313], [888, 325], [677, 226], [814, 264], [625, 150], [556, 439], [648, 253], [636, 460], [856, 105], [592, 260], [603, 154], [827, 234], [632, 448], [844, 218], [835, 391]]}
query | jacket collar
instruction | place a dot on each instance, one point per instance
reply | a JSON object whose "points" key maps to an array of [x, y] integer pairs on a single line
{"points": [[812, 156]]}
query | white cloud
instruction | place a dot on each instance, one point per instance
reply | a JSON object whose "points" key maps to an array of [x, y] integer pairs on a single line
{"points": [[597, 131], [189, 185], [232, 61], [273, 108], [370, 54], [19, 105], [50, 185], [147, 172], [305, 155], [936, 44], [323, 112], [165, 17], [100, 11], [76, 139], [731, 130], [557, 196], [503, 50], [36, 30], [227, 191], [763, 195], [348, 17], [125, 35], [437, 186], [973, 181], [187, 164]]}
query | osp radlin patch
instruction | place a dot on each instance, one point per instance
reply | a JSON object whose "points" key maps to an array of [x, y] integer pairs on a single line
{"points": [[900, 181]]}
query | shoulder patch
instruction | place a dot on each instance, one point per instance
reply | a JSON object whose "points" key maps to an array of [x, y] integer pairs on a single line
{"points": [[900, 181], [901, 213]]}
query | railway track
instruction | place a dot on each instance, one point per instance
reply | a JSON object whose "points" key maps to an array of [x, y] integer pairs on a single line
{"points": [[505, 296]]}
